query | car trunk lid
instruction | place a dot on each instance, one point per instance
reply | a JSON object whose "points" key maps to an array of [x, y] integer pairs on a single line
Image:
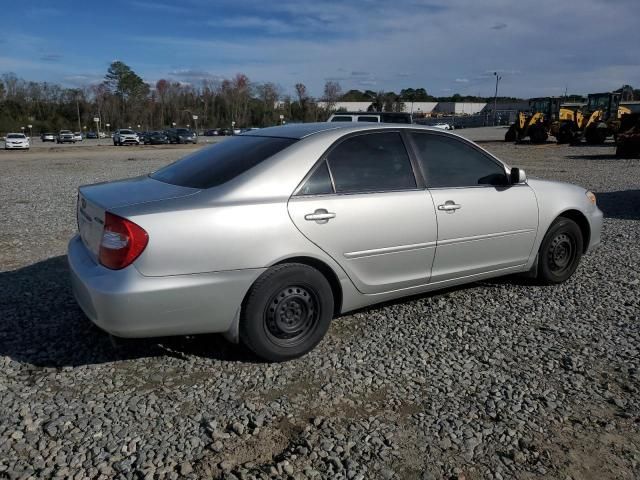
{"points": [[95, 200]]}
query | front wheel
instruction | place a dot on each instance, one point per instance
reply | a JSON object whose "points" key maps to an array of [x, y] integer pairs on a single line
{"points": [[287, 312], [511, 135], [560, 252]]}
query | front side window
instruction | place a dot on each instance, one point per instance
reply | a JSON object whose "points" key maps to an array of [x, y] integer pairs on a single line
{"points": [[375, 162], [221, 162], [449, 162]]}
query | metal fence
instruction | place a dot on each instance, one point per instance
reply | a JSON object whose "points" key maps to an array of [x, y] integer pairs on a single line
{"points": [[504, 117]]}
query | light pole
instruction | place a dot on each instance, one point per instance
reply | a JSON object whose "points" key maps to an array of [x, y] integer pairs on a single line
{"points": [[30, 131], [495, 99]]}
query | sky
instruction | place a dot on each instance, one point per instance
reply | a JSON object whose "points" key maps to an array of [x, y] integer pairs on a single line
{"points": [[445, 46]]}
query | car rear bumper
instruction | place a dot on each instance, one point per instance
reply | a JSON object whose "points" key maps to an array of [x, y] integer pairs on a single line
{"points": [[125, 303]]}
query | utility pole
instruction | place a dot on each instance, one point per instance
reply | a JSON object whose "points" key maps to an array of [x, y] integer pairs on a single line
{"points": [[78, 110], [495, 99]]}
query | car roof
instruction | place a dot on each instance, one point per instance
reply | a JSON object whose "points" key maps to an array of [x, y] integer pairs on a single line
{"points": [[299, 131]]}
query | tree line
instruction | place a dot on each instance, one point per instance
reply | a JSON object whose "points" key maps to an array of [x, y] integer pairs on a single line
{"points": [[124, 99]]}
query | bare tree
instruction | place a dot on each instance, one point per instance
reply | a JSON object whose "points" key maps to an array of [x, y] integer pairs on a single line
{"points": [[332, 93]]}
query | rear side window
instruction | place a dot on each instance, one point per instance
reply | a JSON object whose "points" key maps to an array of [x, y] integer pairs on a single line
{"points": [[374, 162], [449, 162], [219, 163], [368, 119], [319, 183]]}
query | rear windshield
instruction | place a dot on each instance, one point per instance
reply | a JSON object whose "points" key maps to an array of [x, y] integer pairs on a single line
{"points": [[219, 163]]}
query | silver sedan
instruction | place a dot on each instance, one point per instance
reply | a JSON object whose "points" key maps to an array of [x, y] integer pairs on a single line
{"points": [[269, 235]]}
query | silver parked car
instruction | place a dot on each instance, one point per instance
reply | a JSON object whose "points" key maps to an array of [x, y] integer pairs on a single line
{"points": [[270, 234]]}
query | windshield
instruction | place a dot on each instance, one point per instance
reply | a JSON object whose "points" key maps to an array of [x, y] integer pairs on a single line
{"points": [[65, 131], [126, 132], [183, 131], [221, 162], [16, 135], [540, 106], [599, 103]]}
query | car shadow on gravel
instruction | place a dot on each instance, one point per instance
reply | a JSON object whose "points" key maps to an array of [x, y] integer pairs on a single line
{"points": [[41, 324], [624, 204]]}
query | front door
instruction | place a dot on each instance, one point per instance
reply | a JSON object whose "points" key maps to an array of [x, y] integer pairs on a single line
{"points": [[361, 205], [484, 222]]}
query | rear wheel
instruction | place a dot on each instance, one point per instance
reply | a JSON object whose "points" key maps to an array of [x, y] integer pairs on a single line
{"points": [[560, 252], [287, 312]]}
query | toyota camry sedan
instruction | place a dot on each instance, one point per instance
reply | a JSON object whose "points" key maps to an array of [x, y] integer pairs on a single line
{"points": [[267, 236]]}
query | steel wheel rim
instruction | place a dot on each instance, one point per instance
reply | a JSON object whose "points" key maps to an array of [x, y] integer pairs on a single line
{"points": [[291, 315], [561, 253]]}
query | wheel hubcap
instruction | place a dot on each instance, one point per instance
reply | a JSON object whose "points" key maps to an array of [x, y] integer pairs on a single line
{"points": [[291, 315], [561, 253]]}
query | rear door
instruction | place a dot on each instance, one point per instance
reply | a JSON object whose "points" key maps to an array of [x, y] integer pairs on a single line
{"points": [[362, 206], [484, 222]]}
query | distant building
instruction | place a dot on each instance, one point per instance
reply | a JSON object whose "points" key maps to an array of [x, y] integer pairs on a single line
{"points": [[417, 108], [460, 108]]}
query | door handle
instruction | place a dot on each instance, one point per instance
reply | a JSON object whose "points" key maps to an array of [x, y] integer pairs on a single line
{"points": [[320, 216], [449, 206]]}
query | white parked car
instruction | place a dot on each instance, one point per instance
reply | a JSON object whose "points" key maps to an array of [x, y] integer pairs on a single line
{"points": [[443, 126], [124, 136], [16, 141], [77, 136]]}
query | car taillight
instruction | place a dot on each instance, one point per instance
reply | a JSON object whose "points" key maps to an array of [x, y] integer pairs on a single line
{"points": [[122, 242]]}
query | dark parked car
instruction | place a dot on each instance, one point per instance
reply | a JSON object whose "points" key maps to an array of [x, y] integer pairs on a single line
{"points": [[211, 133], [155, 138], [181, 135], [92, 135]]}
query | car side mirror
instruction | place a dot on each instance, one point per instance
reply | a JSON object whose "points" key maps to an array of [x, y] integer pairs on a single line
{"points": [[518, 175]]}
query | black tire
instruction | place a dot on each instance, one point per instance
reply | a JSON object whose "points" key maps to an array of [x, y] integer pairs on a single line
{"points": [[287, 312], [538, 135], [595, 136], [560, 252], [510, 136], [565, 135]]}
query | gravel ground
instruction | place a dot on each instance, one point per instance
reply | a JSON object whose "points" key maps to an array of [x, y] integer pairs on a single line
{"points": [[499, 379]]}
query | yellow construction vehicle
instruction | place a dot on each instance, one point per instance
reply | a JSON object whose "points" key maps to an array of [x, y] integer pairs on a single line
{"points": [[570, 124], [536, 122], [602, 117], [628, 137]]}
